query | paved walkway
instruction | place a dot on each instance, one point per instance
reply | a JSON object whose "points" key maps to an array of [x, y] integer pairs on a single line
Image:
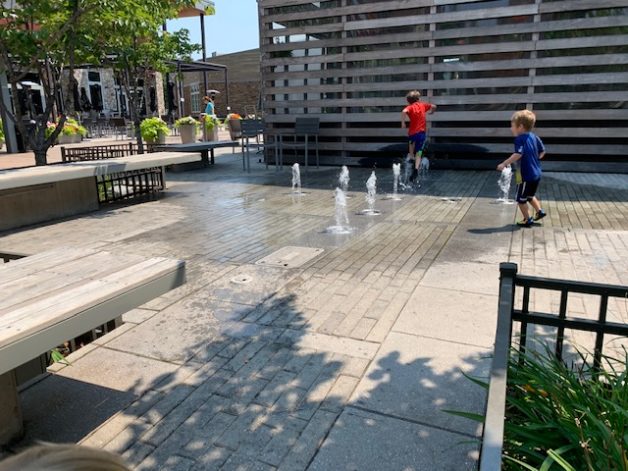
{"points": [[346, 362]]}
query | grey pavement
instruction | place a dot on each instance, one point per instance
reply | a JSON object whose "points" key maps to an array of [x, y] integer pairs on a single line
{"points": [[347, 362]]}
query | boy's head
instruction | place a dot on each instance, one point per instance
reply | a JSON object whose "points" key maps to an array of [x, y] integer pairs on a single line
{"points": [[413, 96], [522, 121]]}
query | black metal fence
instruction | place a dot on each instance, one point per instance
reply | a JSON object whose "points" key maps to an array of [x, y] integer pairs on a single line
{"points": [[110, 151], [145, 183], [511, 283]]}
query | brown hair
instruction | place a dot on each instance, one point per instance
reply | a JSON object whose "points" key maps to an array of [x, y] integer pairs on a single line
{"points": [[525, 118], [63, 458], [413, 96]]}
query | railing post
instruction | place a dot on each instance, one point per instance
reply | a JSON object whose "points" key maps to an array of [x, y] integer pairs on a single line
{"points": [[493, 434], [63, 157]]}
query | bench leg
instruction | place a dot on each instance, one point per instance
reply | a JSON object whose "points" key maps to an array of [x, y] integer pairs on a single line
{"points": [[213, 157], [11, 424], [205, 158]]}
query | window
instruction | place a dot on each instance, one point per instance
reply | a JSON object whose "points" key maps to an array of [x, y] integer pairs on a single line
{"points": [[195, 98]]}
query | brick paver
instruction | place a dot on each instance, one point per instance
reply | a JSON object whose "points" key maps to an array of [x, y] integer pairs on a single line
{"points": [[279, 372]]}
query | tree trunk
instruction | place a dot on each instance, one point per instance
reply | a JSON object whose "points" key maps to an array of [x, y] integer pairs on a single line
{"points": [[41, 156], [138, 136]]}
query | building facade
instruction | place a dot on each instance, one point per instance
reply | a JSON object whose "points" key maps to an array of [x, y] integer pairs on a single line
{"points": [[351, 62], [243, 81]]}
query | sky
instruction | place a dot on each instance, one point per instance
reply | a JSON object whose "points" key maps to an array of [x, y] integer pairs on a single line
{"points": [[233, 28]]}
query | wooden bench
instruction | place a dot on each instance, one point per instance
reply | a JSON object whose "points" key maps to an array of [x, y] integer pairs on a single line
{"points": [[37, 194], [48, 298], [206, 148]]}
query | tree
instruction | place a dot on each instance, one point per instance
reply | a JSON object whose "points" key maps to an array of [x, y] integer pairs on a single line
{"points": [[50, 37], [39, 36], [130, 42]]}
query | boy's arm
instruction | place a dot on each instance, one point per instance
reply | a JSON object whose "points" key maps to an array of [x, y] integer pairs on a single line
{"points": [[404, 119], [432, 109], [510, 160], [541, 155]]}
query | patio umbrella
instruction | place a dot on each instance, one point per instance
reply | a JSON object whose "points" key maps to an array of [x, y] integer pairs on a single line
{"points": [[152, 93], [86, 105]]}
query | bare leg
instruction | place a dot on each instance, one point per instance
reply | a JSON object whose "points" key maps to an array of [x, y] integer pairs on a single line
{"points": [[535, 204], [523, 207]]}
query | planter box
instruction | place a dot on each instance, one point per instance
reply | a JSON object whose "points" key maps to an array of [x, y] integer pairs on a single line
{"points": [[65, 139], [160, 140], [188, 133]]}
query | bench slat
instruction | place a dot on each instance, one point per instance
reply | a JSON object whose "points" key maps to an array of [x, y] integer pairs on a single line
{"points": [[47, 282], [18, 323]]}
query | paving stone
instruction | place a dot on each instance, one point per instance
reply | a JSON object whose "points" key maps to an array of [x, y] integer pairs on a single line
{"points": [[308, 442], [137, 316], [206, 436], [285, 435], [450, 315], [363, 441], [417, 378], [329, 343], [134, 455]]}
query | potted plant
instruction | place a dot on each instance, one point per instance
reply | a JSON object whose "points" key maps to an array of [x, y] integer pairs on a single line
{"points": [[211, 124], [234, 125], [154, 130], [188, 128], [72, 132]]}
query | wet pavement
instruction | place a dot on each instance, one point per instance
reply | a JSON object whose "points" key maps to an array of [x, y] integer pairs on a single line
{"points": [[346, 358]]}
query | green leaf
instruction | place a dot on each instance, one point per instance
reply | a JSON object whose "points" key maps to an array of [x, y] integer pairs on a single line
{"points": [[467, 415]]}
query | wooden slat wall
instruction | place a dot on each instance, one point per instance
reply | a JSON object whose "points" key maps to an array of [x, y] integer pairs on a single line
{"points": [[351, 62]]}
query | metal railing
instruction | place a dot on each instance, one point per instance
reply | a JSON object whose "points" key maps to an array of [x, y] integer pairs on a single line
{"points": [[130, 185], [110, 151], [510, 282]]}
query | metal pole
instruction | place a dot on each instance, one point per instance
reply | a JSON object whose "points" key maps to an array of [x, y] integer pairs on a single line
{"points": [[180, 88], [203, 45], [8, 125], [227, 87]]}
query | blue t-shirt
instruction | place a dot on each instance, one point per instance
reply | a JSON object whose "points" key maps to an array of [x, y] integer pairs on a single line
{"points": [[530, 146], [209, 109]]}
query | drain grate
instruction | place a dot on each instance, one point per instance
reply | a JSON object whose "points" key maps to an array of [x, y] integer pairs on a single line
{"points": [[290, 257]]}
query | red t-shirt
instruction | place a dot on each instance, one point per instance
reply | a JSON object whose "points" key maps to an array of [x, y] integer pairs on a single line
{"points": [[416, 111]]}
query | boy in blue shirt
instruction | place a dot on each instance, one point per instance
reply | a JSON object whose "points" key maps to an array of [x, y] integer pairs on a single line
{"points": [[529, 150]]}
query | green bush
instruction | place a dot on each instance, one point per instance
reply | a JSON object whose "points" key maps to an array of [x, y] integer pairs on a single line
{"points": [[211, 122], [186, 121], [151, 128], [1, 133], [564, 418]]}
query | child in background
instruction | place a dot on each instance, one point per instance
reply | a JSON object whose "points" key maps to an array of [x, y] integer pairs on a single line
{"points": [[529, 150], [415, 114]]}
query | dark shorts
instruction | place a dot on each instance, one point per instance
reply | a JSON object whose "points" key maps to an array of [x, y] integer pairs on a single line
{"points": [[526, 191], [418, 140]]}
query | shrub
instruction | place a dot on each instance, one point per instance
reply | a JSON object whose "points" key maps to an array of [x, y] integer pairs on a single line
{"points": [[186, 121], [211, 122], [151, 128]]}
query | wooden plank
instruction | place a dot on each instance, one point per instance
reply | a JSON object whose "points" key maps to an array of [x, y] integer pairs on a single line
{"points": [[521, 28], [403, 87], [17, 178], [491, 147], [47, 282], [460, 116], [471, 49], [549, 62], [15, 324], [590, 97]]}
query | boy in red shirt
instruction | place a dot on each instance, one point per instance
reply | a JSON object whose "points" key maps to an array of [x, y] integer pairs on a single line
{"points": [[415, 113]]}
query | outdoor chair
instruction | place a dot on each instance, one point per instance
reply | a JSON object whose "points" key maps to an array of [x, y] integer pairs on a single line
{"points": [[252, 129], [306, 128], [118, 126]]}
